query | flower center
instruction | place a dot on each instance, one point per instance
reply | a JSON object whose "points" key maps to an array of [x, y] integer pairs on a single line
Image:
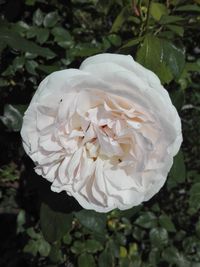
{"points": [[92, 149]]}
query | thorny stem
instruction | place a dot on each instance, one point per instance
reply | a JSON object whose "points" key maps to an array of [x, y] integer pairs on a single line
{"points": [[135, 9]]}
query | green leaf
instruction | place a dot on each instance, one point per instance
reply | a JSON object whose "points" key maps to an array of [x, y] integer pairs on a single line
{"points": [[105, 259], [166, 222], [78, 247], [138, 233], [43, 248], [191, 244], [21, 220], [78, 234], [92, 220], [147, 220], [86, 49], [67, 239], [189, 8], [31, 32], [42, 35], [48, 68], [132, 42], [179, 30], [17, 42], [56, 255], [31, 247], [122, 252], [62, 37], [177, 173], [31, 232], [150, 55], [124, 262], [54, 224], [38, 17], [120, 19], [60, 34], [31, 65], [157, 10], [192, 66], [12, 118], [158, 237], [29, 55], [174, 57], [178, 98], [113, 248], [194, 199], [133, 249], [154, 256], [162, 57], [105, 44], [86, 260], [173, 256], [92, 246], [20, 27], [170, 19], [114, 39], [51, 19], [120, 238], [126, 213], [18, 63]]}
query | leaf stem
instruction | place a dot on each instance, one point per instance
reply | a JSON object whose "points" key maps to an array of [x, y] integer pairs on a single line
{"points": [[144, 26], [148, 16]]}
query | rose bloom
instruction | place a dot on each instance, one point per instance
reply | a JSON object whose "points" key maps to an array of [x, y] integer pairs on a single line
{"points": [[105, 133]]}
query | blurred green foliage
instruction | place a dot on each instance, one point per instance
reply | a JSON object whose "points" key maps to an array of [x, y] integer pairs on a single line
{"points": [[38, 37]]}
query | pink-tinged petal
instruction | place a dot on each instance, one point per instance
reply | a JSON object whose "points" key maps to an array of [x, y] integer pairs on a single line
{"points": [[47, 143], [48, 171], [74, 164], [118, 178], [108, 145]]}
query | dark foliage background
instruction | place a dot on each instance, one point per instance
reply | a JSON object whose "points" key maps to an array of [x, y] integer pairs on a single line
{"points": [[37, 226]]}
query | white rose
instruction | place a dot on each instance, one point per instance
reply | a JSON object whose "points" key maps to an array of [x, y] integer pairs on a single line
{"points": [[105, 133]]}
